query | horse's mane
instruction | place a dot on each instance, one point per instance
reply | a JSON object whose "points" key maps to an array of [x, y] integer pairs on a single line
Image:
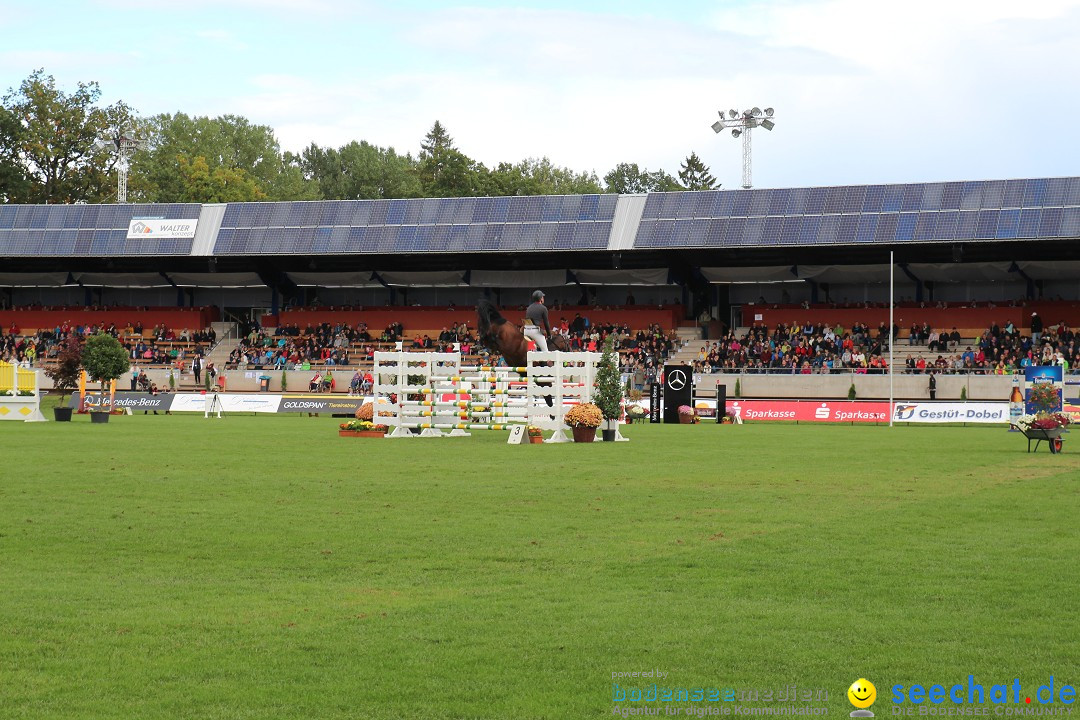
{"points": [[488, 318]]}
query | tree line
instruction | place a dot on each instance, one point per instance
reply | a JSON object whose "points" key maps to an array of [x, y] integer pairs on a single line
{"points": [[51, 151]]}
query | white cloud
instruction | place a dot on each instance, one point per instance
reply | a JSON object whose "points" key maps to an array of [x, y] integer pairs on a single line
{"points": [[864, 91]]}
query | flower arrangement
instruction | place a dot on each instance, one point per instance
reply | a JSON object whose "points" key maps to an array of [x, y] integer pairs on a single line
{"points": [[362, 426], [365, 412], [1044, 397], [636, 412], [535, 432], [1042, 421], [688, 415], [585, 415]]}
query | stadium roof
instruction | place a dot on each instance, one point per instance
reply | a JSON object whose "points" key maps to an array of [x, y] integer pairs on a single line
{"points": [[990, 221]]}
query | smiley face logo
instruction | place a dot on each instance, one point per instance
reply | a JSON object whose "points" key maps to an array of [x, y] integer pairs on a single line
{"points": [[862, 693]]}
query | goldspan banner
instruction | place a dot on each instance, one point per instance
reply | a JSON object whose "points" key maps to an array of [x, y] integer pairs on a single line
{"points": [[338, 404], [159, 228]]}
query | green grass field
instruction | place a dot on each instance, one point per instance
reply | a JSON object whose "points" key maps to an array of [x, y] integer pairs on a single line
{"points": [[262, 567]]}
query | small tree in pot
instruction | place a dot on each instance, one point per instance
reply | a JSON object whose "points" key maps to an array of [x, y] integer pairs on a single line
{"points": [[607, 391], [65, 374], [104, 358]]}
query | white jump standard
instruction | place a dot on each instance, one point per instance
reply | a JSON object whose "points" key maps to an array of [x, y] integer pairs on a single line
{"points": [[506, 396]]}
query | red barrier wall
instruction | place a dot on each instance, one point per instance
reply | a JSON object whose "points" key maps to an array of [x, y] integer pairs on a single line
{"points": [[435, 318], [939, 318], [174, 318]]}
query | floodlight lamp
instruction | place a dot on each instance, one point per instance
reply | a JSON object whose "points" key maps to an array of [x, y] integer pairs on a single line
{"points": [[751, 122], [769, 112], [733, 113], [756, 112], [736, 132], [100, 144], [768, 124], [717, 126]]}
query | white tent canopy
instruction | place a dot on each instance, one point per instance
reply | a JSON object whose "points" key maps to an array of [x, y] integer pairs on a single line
{"points": [[439, 278], [779, 273], [121, 280], [517, 278], [646, 276], [218, 280], [44, 279], [334, 279]]}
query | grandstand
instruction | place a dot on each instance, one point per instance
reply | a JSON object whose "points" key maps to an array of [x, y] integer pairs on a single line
{"points": [[969, 254]]}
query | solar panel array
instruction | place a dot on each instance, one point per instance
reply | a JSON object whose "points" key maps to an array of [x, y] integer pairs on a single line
{"points": [[925, 212], [423, 225], [87, 230]]}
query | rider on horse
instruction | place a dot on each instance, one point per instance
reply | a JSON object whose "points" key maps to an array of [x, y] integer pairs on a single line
{"points": [[537, 327]]}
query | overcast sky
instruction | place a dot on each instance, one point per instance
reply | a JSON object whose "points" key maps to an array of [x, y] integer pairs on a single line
{"points": [[865, 91]]}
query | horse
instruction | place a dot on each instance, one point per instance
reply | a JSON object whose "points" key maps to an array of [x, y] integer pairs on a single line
{"points": [[501, 336]]}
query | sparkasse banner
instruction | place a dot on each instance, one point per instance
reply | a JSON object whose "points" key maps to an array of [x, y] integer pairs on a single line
{"points": [[810, 410], [159, 228]]}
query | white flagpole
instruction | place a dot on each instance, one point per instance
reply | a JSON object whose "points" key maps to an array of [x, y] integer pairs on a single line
{"points": [[892, 339]]}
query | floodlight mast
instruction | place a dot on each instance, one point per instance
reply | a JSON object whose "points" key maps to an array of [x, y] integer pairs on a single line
{"points": [[125, 145], [742, 124]]}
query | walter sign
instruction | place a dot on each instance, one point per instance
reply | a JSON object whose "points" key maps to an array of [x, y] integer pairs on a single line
{"points": [[161, 229]]}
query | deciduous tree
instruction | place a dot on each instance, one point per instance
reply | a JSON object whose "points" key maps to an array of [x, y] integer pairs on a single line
{"points": [[54, 141]]}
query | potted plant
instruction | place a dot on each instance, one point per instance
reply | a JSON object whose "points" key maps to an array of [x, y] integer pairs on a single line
{"points": [[536, 436], [65, 375], [687, 416], [583, 419], [607, 390], [104, 359], [361, 428], [284, 381], [636, 413]]}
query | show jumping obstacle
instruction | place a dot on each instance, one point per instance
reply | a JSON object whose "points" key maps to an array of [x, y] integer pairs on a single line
{"points": [[435, 393], [13, 405]]}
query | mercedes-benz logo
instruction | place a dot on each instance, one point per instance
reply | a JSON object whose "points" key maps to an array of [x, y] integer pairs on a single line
{"points": [[676, 380]]}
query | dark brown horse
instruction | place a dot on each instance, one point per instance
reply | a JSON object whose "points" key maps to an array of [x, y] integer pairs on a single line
{"points": [[501, 336]]}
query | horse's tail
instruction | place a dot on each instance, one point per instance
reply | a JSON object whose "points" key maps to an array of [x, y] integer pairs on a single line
{"points": [[487, 317]]}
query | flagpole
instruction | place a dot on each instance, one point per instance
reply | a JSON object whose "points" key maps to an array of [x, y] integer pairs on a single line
{"points": [[892, 338]]}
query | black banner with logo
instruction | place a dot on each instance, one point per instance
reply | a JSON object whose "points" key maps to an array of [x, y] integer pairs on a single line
{"points": [[678, 390], [654, 401], [721, 402]]}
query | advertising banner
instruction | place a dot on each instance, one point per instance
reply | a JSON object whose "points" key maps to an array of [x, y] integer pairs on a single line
{"points": [[338, 404], [1044, 388], [134, 400], [678, 390], [946, 412], [810, 410], [159, 228], [230, 402]]}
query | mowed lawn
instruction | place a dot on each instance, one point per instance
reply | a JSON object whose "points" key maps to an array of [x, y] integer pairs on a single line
{"points": [[262, 567]]}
